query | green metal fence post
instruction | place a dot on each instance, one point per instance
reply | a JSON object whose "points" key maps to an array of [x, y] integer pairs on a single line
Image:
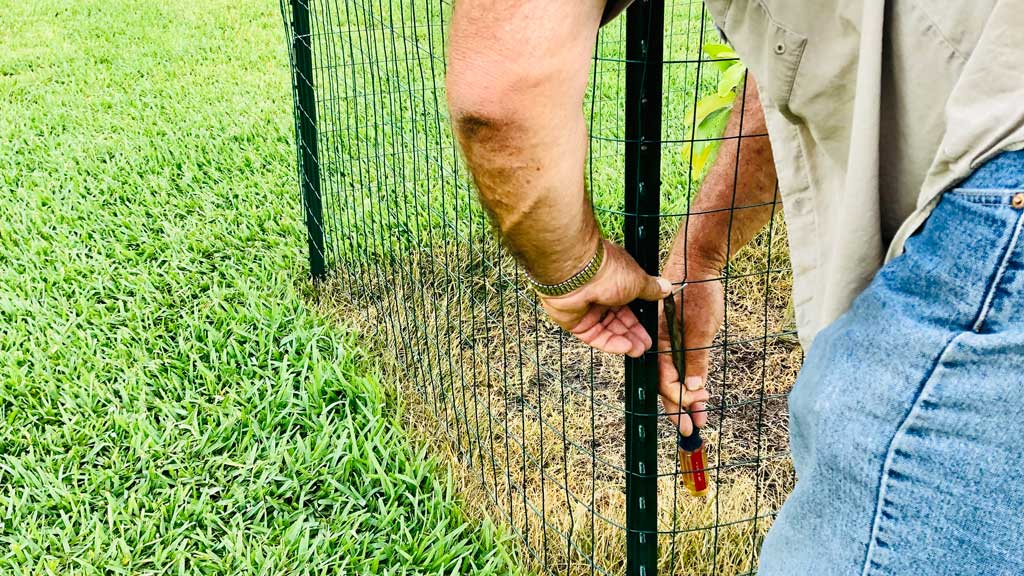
{"points": [[305, 105], [644, 54]]}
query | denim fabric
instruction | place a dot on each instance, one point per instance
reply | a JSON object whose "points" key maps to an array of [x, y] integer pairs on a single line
{"points": [[1004, 171], [907, 420]]}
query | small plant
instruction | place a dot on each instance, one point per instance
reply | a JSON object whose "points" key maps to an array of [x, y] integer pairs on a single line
{"points": [[712, 112]]}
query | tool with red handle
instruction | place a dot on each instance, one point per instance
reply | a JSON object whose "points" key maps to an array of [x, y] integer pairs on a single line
{"points": [[693, 458]]}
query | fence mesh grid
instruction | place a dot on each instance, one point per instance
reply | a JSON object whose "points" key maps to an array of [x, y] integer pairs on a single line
{"points": [[538, 418]]}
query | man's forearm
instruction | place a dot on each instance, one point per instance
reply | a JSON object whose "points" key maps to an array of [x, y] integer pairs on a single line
{"points": [[736, 199], [530, 181], [516, 80]]}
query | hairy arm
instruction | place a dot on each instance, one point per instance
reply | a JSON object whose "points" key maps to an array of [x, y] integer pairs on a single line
{"points": [[736, 200], [517, 75]]}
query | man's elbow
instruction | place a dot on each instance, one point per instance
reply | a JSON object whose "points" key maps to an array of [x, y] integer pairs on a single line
{"points": [[485, 104], [478, 125]]}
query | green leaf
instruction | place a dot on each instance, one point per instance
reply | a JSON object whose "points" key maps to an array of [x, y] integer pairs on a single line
{"points": [[731, 78], [696, 154], [713, 125], [718, 51], [722, 65], [700, 159], [721, 55], [713, 103]]}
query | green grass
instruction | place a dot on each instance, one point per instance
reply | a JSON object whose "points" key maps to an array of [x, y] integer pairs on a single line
{"points": [[168, 403]]}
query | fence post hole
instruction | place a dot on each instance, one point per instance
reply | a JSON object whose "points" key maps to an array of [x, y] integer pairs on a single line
{"points": [[305, 103], [644, 52]]}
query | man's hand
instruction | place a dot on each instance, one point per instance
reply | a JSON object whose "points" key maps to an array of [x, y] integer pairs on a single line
{"points": [[700, 315], [736, 200], [597, 312]]}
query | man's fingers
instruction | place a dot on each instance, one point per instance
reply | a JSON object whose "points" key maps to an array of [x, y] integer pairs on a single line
{"points": [[616, 326], [653, 288], [639, 333], [636, 347], [608, 330], [607, 340], [685, 420], [675, 393], [592, 319], [677, 417], [699, 414]]}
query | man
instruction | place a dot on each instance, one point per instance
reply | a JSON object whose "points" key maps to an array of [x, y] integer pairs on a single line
{"points": [[892, 126]]}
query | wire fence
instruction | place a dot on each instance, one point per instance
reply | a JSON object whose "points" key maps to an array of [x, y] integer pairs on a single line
{"points": [[565, 444]]}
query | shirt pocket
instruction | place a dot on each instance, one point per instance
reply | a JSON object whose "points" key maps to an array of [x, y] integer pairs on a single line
{"points": [[771, 51]]}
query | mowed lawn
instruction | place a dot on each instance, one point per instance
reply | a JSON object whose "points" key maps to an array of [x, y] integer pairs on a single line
{"points": [[169, 404]]}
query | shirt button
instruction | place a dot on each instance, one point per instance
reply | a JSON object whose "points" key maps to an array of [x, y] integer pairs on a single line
{"points": [[780, 48], [1018, 201]]}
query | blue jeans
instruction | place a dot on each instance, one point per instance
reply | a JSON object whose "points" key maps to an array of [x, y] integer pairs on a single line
{"points": [[907, 420]]}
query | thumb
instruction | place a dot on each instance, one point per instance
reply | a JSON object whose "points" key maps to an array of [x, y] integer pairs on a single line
{"points": [[654, 288]]}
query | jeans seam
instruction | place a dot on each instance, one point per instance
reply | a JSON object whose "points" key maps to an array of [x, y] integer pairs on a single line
{"points": [[986, 305], [890, 452]]}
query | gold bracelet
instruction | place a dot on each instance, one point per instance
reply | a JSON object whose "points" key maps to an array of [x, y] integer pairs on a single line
{"points": [[576, 280]]}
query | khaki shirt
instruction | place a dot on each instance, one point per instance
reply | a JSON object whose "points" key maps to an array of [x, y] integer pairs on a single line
{"points": [[874, 108]]}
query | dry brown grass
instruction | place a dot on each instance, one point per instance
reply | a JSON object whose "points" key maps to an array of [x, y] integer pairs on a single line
{"points": [[531, 422]]}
